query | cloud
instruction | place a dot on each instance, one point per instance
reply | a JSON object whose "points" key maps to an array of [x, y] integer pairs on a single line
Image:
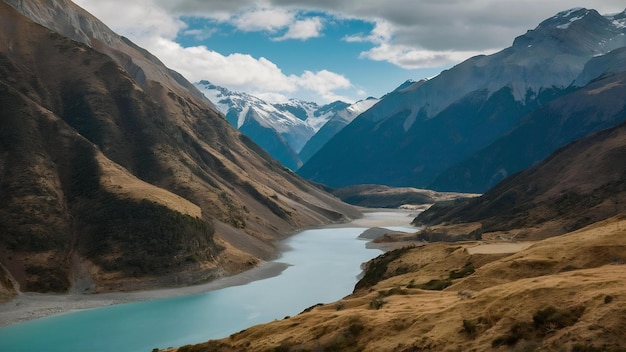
{"points": [[407, 33], [405, 56], [303, 29], [200, 34], [263, 19], [274, 20], [410, 58], [153, 28], [257, 76], [451, 25], [135, 19], [324, 83]]}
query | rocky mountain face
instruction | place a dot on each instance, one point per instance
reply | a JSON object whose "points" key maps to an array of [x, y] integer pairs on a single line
{"points": [[280, 129], [598, 105], [283, 129], [116, 173], [582, 183], [423, 129], [339, 119]]}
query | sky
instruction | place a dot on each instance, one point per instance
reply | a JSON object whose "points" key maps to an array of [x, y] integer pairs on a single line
{"points": [[324, 50]]}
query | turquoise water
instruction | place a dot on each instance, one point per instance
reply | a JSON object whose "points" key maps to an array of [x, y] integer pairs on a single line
{"points": [[325, 264]]}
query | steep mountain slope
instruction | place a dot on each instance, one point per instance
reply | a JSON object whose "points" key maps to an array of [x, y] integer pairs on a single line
{"points": [[340, 119], [291, 132], [118, 174], [417, 132], [73, 22], [599, 105], [275, 129], [580, 184]]}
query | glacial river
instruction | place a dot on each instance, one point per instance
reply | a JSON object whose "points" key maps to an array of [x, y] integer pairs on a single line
{"points": [[324, 265]]}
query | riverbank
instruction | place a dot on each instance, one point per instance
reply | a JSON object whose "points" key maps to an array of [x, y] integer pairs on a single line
{"points": [[29, 306]]}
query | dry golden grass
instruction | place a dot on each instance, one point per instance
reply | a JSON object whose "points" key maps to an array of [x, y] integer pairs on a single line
{"points": [[582, 272], [118, 180]]}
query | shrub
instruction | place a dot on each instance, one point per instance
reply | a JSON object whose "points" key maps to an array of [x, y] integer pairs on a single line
{"points": [[377, 303], [552, 318], [545, 321], [467, 270], [435, 285], [469, 326]]}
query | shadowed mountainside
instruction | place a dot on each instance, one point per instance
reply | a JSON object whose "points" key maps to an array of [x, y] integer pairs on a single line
{"points": [[117, 174], [580, 184], [599, 105]]}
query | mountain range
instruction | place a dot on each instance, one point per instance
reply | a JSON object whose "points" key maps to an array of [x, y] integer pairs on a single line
{"points": [[284, 130], [442, 133], [117, 173], [536, 263]]}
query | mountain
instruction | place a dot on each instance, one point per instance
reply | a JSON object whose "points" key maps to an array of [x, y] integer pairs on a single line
{"points": [[340, 119], [118, 174], [417, 132], [292, 131], [549, 273], [280, 130], [580, 184], [596, 106]]}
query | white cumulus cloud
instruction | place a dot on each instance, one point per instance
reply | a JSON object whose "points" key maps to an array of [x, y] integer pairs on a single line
{"points": [[303, 29], [155, 29], [263, 19]]}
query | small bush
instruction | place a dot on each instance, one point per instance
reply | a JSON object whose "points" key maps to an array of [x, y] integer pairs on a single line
{"points": [[469, 326], [545, 321], [467, 270], [435, 285], [392, 291], [377, 303], [579, 347], [554, 319]]}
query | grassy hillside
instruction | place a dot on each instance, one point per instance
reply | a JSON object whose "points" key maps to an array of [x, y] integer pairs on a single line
{"points": [[566, 293]]}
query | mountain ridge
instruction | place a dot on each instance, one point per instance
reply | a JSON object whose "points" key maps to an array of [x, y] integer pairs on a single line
{"points": [[283, 129], [465, 108], [114, 181]]}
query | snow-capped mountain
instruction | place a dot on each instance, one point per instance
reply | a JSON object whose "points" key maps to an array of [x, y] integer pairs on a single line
{"points": [[282, 129], [336, 123], [240, 107], [423, 128]]}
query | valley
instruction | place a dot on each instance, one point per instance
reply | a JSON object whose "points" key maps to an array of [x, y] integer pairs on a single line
{"points": [[285, 286], [274, 204]]}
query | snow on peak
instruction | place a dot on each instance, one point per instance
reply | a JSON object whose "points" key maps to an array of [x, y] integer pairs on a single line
{"points": [[618, 19], [568, 13], [571, 16], [295, 119]]}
